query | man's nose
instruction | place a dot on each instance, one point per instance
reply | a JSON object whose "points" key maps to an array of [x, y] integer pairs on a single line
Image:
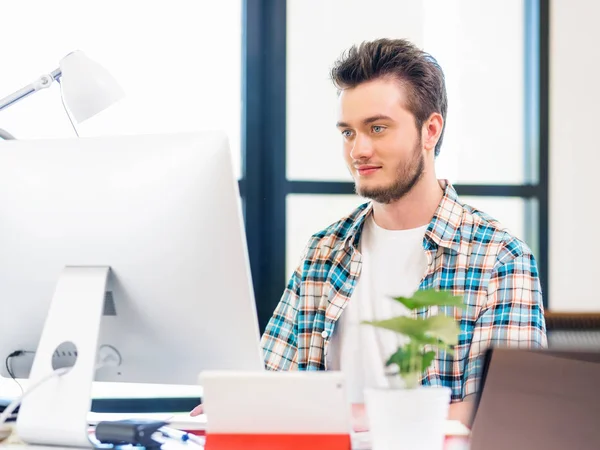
{"points": [[362, 148]]}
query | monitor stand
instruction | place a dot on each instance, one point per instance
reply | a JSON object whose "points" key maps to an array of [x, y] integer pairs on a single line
{"points": [[55, 413]]}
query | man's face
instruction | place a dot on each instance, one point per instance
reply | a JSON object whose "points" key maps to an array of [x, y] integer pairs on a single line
{"points": [[382, 146]]}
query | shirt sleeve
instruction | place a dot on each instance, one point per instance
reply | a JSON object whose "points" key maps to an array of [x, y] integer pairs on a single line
{"points": [[280, 339], [513, 316]]}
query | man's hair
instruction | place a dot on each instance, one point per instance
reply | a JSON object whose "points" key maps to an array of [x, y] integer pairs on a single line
{"points": [[398, 59]]}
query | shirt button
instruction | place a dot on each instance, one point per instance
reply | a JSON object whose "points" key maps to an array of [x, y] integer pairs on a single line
{"points": [[324, 334]]}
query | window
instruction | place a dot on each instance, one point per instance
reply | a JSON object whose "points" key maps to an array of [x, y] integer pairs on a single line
{"points": [[494, 150]]}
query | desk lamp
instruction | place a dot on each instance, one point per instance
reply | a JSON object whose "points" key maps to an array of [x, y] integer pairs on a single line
{"points": [[86, 88]]}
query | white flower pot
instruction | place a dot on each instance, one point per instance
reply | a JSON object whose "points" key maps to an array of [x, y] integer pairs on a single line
{"points": [[407, 418]]}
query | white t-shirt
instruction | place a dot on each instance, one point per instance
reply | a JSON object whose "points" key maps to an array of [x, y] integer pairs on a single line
{"points": [[394, 263]]}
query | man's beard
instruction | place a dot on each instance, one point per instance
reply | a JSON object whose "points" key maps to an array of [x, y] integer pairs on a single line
{"points": [[407, 177]]}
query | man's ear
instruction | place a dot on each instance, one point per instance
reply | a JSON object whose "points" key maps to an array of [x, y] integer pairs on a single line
{"points": [[432, 130]]}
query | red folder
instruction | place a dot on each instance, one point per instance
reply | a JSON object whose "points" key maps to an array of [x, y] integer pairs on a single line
{"points": [[277, 441]]}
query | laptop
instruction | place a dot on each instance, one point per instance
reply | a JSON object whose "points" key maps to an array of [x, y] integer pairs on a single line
{"points": [[538, 399]]}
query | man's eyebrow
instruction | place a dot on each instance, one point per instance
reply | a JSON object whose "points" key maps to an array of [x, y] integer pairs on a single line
{"points": [[376, 118], [366, 121]]}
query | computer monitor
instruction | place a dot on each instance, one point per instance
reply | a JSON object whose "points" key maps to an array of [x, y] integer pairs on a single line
{"points": [[131, 244]]}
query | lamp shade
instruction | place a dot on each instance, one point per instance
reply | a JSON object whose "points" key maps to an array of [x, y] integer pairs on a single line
{"points": [[87, 87]]}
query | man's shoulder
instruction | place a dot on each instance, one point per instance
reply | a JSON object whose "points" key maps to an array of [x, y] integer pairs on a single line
{"points": [[485, 234], [336, 234]]}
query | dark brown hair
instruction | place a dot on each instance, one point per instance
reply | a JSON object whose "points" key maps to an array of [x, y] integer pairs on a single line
{"points": [[415, 69]]}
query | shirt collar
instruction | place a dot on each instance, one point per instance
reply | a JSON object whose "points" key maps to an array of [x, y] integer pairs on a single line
{"points": [[443, 230]]}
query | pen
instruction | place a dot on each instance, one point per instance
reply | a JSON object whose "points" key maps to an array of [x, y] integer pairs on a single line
{"points": [[179, 435]]}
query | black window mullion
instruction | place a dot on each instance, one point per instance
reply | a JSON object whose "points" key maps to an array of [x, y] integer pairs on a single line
{"points": [[480, 190], [544, 133], [263, 131]]}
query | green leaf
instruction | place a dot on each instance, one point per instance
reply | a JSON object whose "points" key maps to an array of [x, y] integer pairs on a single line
{"points": [[433, 342], [407, 363], [443, 328], [428, 359], [413, 328], [400, 358], [430, 297], [434, 328]]}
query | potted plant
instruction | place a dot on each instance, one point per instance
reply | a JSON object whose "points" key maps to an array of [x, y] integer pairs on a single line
{"points": [[406, 415]]}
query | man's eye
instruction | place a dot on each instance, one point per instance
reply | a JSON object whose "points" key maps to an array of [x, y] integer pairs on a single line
{"points": [[347, 133], [378, 129]]}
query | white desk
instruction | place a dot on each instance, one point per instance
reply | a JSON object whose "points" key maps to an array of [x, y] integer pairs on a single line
{"points": [[100, 390]]}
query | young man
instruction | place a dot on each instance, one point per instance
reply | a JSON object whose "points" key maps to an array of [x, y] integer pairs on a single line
{"points": [[414, 234]]}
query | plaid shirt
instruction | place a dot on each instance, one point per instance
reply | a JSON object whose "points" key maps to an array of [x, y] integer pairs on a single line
{"points": [[468, 253]]}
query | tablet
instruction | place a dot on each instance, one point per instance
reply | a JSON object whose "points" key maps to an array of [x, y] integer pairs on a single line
{"points": [[275, 402]]}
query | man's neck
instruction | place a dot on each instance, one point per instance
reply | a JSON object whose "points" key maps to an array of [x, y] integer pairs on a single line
{"points": [[414, 210]]}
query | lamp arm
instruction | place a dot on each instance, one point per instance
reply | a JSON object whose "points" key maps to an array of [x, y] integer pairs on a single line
{"points": [[41, 83], [5, 135]]}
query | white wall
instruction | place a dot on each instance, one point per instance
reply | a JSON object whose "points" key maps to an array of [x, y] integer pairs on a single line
{"points": [[574, 155], [178, 62]]}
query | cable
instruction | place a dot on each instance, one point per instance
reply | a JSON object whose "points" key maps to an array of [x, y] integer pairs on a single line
{"points": [[16, 402], [62, 99], [8, 364], [5, 432], [12, 375]]}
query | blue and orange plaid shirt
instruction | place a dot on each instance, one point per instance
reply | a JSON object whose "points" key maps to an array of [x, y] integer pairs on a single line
{"points": [[468, 253]]}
